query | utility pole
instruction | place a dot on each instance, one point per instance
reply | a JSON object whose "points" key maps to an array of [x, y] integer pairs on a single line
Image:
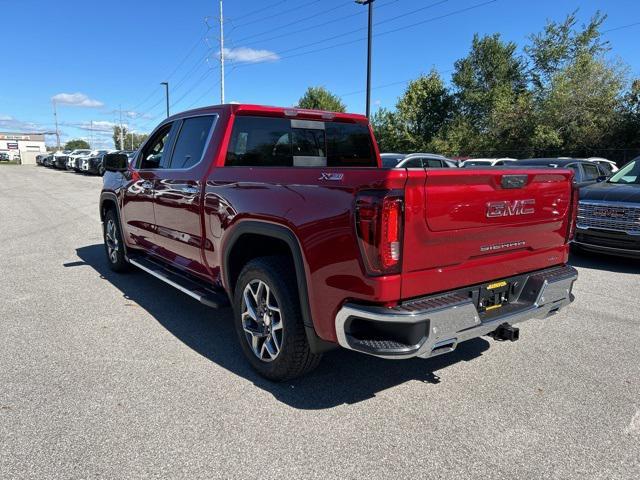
{"points": [[221, 55], [166, 94], [121, 131], [55, 116], [369, 3]]}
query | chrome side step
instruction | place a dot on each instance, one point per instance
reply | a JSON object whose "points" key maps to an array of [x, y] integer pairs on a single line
{"points": [[192, 287]]}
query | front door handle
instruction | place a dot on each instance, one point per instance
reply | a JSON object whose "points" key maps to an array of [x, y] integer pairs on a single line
{"points": [[190, 190]]}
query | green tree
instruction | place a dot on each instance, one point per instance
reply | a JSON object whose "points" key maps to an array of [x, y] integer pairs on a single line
{"points": [[319, 98], [492, 100], [76, 144], [579, 95], [131, 140], [490, 72], [423, 110], [560, 44], [386, 127], [582, 104]]}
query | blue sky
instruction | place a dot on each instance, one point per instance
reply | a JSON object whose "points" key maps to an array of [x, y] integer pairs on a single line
{"points": [[98, 57]]}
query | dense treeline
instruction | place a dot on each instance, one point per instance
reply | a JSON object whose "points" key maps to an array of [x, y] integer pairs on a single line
{"points": [[559, 96]]}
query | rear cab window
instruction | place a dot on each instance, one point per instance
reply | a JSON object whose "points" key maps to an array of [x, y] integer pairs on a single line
{"points": [[281, 142]]}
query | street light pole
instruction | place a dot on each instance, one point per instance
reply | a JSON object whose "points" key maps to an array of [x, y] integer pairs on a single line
{"points": [[55, 116], [166, 91], [369, 3], [221, 55]]}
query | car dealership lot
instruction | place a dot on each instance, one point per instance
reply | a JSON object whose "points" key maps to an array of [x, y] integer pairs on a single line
{"points": [[105, 375]]}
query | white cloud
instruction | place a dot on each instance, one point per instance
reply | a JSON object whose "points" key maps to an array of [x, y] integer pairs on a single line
{"points": [[96, 126], [7, 122], [250, 55], [76, 100]]}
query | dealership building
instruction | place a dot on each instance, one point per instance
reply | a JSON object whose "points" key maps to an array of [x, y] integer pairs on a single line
{"points": [[22, 146]]}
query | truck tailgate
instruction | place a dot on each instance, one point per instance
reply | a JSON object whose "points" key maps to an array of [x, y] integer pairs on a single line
{"points": [[470, 226]]}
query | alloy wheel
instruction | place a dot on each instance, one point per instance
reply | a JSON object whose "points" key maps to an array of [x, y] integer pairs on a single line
{"points": [[262, 320], [111, 238]]}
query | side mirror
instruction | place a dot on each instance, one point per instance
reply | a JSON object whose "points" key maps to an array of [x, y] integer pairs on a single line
{"points": [[602, 178], [115, 162]]}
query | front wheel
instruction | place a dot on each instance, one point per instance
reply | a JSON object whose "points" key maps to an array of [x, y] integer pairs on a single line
{"points": [[268, 320], [113, 244]]}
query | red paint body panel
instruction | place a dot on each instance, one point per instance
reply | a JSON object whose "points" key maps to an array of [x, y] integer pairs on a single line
{"points": [[445, 221]]}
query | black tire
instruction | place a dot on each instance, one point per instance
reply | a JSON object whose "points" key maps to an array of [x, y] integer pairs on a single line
{"points": [[294, 358], [113, 244]]}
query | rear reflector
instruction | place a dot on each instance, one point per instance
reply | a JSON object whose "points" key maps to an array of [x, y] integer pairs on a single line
{"points": [[379, 222]]}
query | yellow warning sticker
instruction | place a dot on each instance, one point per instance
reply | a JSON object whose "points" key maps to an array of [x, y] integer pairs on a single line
{"points": [[497, 285]]}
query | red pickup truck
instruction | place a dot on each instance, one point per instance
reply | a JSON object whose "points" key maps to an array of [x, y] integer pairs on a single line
{"points": [[287, 215]]}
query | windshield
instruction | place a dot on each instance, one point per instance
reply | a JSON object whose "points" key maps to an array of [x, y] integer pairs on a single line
{"points": [[390, 161], [630, 173]]}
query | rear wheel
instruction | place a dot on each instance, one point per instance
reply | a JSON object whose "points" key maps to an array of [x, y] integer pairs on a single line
{"points": [[114, 247], [268, 320]]}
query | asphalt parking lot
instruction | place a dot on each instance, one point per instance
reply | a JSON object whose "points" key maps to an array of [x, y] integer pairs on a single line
{"points": [[121, 376]]}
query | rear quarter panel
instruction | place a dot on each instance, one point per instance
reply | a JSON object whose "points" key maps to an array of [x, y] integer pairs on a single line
{"points": [[319, 213]]}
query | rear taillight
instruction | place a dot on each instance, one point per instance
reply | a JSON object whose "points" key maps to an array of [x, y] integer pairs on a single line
{"points": [[379, 221], [573, 213]]}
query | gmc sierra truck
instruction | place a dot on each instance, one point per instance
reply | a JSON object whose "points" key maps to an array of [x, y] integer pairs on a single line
{"points": [[286, 215]]}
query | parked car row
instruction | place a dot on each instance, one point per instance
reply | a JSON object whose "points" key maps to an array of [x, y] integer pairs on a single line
{"points": [[80, 161], [432, 160], [587, 171]]}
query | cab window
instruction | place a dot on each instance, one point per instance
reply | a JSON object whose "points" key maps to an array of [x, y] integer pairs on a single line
{"points": [[153, 153], [191, 141]]}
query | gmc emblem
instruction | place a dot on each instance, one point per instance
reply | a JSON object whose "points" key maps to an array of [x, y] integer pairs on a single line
{"points": [[509, 209], [608, 212]]}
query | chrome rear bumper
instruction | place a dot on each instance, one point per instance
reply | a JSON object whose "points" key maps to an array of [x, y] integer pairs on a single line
{"points": [[436, 324]]}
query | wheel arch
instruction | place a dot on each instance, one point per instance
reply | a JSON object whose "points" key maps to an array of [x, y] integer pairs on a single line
{"points": [[109, 201], [273, 238]]}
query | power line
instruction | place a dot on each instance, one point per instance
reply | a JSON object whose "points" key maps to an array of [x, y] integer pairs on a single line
{"points": [[271, 30], [400, 82], [349, 42], [180, 82], [267, 7], [173, 72], [269, 17], [198, 82], [621, 27], [333, 37], [206, 92]]}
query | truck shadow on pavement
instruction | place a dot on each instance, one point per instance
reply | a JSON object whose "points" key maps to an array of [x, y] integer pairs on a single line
{"points": [[343, 377]]}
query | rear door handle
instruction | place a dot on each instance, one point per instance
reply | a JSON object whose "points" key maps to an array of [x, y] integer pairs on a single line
{"points": [[190, 190]]}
